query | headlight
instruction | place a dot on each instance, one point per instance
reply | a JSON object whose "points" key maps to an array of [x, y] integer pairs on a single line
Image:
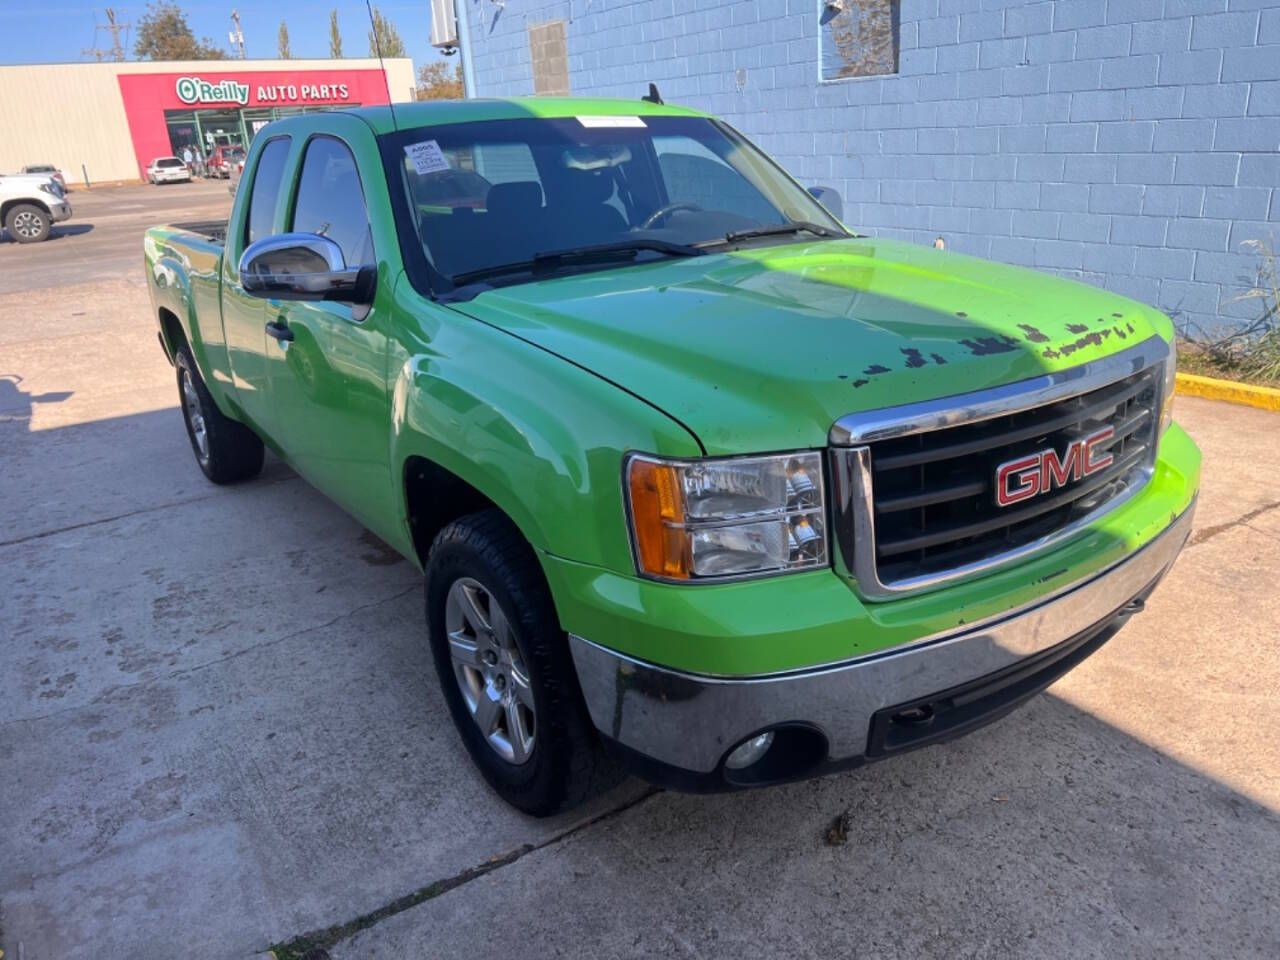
{"points": [[50, 187], [1170, 382], [727, 518]]}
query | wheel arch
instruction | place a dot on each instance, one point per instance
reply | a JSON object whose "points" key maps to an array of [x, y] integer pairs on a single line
{"points": [[19, 201]]}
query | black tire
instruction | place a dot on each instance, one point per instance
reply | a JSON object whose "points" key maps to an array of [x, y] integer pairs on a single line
{"points": [[28, 223], [229, 451], [567, 763]]}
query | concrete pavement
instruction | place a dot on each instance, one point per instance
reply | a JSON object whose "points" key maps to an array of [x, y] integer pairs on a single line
{"points": [[220, 728]]}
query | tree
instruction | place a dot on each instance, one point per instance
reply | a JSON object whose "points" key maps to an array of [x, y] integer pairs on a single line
{"points": [[383, 38], [282, 41], [163, 34], [437, 82], [335, 38]]}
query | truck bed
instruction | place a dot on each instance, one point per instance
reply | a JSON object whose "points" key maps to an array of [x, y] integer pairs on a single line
{"points": [[214, 230]]}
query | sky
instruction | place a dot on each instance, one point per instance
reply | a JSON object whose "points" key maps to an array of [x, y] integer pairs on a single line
{"points": [[59, 32]]}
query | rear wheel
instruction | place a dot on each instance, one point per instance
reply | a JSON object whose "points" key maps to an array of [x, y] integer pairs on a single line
{"points": [[226, 450], [27, 223], [505, 668]]}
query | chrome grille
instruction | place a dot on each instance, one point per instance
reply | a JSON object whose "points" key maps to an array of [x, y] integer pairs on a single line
{"points": [[934, 493], [920, 507]]}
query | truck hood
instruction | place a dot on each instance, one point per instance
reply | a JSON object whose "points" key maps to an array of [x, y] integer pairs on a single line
{"points": [[764, 349]]}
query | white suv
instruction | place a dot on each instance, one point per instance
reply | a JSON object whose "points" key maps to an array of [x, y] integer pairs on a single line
{"points": [[167, 170], [30, 204]]}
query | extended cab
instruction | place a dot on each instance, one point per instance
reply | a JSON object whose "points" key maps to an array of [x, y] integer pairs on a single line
{"points": [[696, 474], [30, 204]]}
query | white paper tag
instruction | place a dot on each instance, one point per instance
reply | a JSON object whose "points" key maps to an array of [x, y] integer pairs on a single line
{"points": [[426, 157], [611, 121]]}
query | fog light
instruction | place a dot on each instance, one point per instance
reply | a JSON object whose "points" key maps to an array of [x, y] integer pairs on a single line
{"points": [[749, 751]]}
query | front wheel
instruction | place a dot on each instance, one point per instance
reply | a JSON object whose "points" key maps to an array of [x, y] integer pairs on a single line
{"points": [[226, 450], [27, 223], [505, 668]]}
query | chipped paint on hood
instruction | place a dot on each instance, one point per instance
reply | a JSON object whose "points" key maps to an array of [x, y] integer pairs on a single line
{"points": [[764, 349]]}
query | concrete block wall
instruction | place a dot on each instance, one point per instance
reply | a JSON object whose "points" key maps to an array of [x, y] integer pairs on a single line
{"points": [[1132, 144]]}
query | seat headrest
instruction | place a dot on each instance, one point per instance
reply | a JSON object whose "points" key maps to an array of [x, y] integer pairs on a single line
{"points": [[517, 199]]}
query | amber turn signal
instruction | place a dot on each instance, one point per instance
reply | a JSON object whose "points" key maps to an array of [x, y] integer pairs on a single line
{"points": [[657, 516]]}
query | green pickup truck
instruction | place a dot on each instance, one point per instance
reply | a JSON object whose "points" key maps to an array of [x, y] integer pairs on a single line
{"points": [[705, 485]]}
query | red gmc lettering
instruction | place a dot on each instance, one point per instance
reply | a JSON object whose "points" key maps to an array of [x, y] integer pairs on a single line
{"points": [[1027, 474], [1037, 473], [1104, 460]]}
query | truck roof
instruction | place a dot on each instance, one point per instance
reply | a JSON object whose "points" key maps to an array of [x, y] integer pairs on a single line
{"points": [[429, 113]]}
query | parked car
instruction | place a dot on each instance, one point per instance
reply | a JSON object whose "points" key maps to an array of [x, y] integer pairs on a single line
{"points": [[698, 477], [223, 160], [167, 170], [47, 169], [30, 204]]}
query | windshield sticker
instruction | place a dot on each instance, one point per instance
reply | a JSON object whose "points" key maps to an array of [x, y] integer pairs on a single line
{"points": [[426, 157], [611, 121]]}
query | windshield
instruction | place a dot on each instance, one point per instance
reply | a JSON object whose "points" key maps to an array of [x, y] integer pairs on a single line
{"points": [[486, 197], [169, 162]]}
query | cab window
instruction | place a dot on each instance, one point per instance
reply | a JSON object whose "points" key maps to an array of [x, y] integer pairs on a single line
{"points": [[330, 201], [266, 188]]}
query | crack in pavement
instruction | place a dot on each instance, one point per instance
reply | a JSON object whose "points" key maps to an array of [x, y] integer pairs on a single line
{"points": [[1208, 533], [111, 691], [125, 516], [316, 943]]}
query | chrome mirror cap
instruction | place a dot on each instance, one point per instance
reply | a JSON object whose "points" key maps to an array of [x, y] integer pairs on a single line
{"points": [[304, 266]]}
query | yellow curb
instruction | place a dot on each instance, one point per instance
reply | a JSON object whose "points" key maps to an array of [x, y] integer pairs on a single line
{"points": [[1191, 385]]}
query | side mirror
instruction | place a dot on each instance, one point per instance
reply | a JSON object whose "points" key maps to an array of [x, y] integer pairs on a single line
{"points": [[304, 266], [829, 198]]}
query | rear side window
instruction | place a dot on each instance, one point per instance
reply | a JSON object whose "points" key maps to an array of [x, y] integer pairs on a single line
{"points": [[330, 201], [266, 187]]}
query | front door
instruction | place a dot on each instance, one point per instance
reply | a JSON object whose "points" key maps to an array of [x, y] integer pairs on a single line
{"points": [[244, 318], [329, 404]]}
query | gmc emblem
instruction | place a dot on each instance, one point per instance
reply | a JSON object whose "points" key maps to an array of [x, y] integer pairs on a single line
{"points": [[1037, 473]]}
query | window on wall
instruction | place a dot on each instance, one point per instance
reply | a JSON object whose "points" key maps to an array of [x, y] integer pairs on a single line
{"points": [[549, 53], [859, 37]]}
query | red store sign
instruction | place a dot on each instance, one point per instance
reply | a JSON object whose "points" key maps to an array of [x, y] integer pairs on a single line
{"points": [[148, 95]]}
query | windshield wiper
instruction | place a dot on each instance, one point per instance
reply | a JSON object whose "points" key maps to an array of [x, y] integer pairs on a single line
{"points": [[779, 229], [549, 260]]}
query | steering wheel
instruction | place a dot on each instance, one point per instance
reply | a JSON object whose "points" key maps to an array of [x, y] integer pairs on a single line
{"points": [[663, 212]]}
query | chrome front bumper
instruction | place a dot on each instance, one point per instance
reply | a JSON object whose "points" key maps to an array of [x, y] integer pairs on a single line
{"points": [[690, 722]]}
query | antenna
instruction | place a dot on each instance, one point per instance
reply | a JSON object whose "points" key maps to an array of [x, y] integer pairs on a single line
{"points": [[377, 46], [236, 36], [117, 50]]}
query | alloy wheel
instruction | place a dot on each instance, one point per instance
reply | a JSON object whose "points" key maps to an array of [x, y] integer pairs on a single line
{"points": [[490, 670], [27, 224], [195, 417]]}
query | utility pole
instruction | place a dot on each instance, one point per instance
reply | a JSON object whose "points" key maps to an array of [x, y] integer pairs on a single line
{"points": [[117, 48], [236, 36]]}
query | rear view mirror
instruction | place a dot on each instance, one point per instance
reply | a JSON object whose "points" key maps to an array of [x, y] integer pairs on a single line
{"points": [[304, 266], [829, 198]]}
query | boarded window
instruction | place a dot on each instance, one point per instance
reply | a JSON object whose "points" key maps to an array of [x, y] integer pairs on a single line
{"points": [[550, 55], [859, 37]]}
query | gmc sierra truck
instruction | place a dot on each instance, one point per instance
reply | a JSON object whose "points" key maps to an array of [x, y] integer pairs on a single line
{"points": [[704, 484]]}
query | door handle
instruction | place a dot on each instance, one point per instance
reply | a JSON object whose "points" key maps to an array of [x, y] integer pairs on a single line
{"points": [[279, 330]]}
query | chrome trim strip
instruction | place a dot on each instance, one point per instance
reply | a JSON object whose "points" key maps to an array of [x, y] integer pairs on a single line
{"points": [[691, 720], [853, 506], [964, 408]]}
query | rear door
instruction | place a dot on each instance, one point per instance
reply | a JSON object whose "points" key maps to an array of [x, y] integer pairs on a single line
{"points": [[244, 318], [330, 408]]}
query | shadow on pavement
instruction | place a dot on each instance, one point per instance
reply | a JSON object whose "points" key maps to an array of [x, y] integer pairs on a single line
{"points": [[16, 403], [220, 726]]}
